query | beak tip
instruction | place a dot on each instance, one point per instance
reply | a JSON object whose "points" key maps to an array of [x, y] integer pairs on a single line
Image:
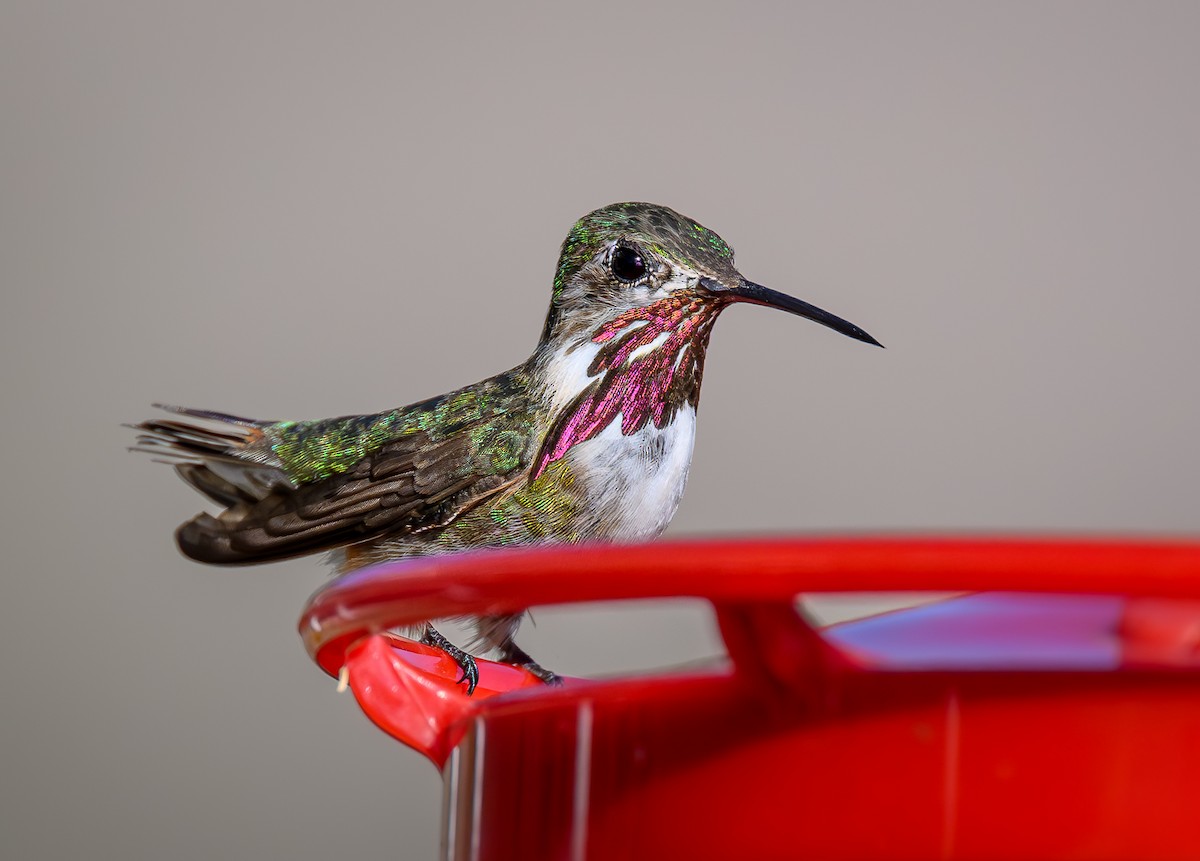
{"points": [[760, 295], [852, 331]]}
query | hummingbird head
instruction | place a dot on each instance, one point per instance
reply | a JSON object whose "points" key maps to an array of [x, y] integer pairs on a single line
{"points": [[637, 290], [629, 262]]}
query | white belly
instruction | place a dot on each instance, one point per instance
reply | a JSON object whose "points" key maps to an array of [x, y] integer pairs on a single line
{"points": [[635, 482]]}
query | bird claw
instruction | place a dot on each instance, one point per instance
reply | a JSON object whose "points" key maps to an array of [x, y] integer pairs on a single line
{"points": [[510, 653], [548, 677], [466, 663], [470, 672], [515, 655]]}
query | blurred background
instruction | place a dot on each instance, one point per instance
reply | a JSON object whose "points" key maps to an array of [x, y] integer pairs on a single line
{"points": [[300, 210]]}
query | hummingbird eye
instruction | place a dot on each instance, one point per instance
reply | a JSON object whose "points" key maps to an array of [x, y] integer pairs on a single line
{"points": [[627, 264]]}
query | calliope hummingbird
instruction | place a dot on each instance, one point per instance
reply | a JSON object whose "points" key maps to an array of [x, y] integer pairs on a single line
{"points": [[589, 439]]}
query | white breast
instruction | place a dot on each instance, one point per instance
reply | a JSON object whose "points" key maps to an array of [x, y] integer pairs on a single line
{"points": [[635, 482]]}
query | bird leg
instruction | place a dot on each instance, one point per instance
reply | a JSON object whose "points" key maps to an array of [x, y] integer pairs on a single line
{"points": [[511, 653], [466, 663], [499, 633]]}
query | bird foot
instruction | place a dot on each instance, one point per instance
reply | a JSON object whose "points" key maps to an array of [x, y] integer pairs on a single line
{"points": [[466, 663], [514, 654], [549, 677]]}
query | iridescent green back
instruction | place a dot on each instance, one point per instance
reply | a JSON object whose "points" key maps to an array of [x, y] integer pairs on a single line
{"points": [[494, 414]]}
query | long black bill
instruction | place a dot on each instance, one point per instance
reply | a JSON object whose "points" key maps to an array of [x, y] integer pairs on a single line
{"points": [[760, 295]]}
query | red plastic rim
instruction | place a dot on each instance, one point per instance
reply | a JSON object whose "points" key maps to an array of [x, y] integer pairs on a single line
{"points": [[731, 573]]}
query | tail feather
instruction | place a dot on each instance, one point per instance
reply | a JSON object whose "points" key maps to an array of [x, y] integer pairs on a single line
{"points": [[226, 458], [212, 415], [190, 440]]}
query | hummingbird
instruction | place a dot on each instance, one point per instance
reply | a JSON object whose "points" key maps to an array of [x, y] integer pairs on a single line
{"points": [[588, 440]]}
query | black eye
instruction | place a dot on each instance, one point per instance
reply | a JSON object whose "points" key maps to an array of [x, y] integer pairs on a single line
{"points": [[627, 264]]}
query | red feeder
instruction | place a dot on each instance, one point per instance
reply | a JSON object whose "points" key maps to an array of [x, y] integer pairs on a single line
{"points": [[1052, 713]]}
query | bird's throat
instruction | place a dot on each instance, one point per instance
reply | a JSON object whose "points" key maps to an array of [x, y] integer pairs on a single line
{"points": [[648, 366]]}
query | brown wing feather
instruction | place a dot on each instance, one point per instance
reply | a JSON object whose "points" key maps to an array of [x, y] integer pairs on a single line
{"points": [[410, 485]]}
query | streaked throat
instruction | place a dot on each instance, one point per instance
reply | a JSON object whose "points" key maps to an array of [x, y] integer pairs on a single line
{"points": [[646, 364]]}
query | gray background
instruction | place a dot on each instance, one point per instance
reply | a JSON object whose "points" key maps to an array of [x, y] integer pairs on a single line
{"points": [[291, 210]]}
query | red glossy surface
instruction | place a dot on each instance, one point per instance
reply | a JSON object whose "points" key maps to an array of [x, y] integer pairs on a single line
{"points": [[989, 726]]}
